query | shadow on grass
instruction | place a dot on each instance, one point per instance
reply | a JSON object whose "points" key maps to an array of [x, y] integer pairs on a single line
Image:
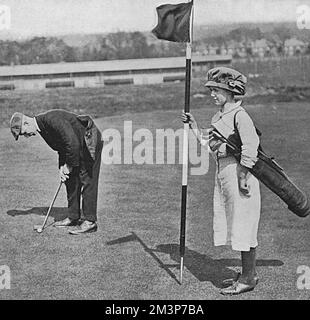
{"points": [[134, 237], [201, 266], [204, 268], [57, 213]]}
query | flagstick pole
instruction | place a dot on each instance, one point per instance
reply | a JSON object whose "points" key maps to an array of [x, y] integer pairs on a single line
{"points": [[185, 148]]}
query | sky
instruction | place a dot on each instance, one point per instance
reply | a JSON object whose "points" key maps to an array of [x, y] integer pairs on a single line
{"points": [[54, 17]]}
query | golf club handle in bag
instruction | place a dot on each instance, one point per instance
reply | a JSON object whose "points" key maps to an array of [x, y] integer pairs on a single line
{"points": [[272, 176]]}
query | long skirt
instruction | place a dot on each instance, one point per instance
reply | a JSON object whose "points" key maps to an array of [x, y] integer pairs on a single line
{"points": [[236, 216]]}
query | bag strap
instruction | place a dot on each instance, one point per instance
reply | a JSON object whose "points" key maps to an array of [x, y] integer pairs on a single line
{"points": [[258, 132], [261, 153], [235, 122]]}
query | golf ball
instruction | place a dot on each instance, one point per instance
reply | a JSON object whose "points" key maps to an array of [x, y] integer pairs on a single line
{"points": [[40, 230]]}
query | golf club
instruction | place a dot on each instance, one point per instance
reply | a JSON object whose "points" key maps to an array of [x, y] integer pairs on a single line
{"points": [[40, 228]]}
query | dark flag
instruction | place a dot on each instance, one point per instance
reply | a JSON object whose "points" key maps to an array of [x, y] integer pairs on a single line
{"points": [[173, 22]]}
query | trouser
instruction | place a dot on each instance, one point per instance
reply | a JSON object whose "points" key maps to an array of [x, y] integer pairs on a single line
{"points": [[83, 185]]}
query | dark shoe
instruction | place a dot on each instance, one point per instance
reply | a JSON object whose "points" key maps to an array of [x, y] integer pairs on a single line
{"points": [[86, 227], [238, 287], [65, 223], [231, 281]]}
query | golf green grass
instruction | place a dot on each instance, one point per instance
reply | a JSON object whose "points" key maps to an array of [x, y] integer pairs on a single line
{"points": [[135, 252]]}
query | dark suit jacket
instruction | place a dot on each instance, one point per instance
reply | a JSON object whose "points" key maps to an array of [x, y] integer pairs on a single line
{"points": [[74, 137]]}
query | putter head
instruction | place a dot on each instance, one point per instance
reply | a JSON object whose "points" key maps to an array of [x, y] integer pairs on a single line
{"points": [[38, 228]]}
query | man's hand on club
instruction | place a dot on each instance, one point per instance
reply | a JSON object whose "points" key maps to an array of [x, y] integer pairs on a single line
{"points": [[64, 172]]}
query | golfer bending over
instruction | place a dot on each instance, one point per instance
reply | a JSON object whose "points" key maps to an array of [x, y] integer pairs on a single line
{"points": [[79, 145], [237, 194]]}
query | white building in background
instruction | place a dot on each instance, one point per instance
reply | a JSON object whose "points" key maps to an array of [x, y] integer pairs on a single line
{"points": [[103, 73], [261, 48], [294, 46]]}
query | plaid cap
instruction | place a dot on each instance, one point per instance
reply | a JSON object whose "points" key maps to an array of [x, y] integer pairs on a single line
{"points": [[228, 79], [16, 124]]}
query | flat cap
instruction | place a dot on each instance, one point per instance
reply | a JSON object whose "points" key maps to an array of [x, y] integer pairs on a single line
{"points": [[228, 79], [16, 124]]}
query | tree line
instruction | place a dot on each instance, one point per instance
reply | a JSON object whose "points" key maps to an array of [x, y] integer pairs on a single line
{"points": [[134, 45], [276, 35], [119, 45]]}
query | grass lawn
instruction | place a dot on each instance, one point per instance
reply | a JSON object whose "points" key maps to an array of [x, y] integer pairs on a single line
{"points": [[134, 254]]}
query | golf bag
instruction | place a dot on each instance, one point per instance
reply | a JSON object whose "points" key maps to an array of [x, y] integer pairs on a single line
{"points": [[270, 174]]}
